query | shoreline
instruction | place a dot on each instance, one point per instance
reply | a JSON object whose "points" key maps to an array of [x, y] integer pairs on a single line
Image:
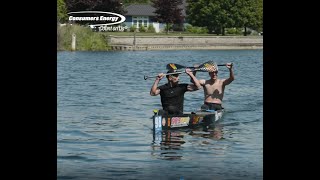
{"points": [[145, 43]]}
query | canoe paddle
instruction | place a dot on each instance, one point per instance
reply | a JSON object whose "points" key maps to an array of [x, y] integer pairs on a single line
{"points": [[205, 67], [173, 66]]}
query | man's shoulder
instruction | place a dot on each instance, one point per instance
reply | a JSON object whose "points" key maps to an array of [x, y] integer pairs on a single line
{"points": [[183, 84], [163, 86]]}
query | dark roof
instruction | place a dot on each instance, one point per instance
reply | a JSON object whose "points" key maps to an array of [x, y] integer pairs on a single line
{"points": [[147, 9], [140, 10]]}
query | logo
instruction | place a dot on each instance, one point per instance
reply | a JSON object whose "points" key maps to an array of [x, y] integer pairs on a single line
{"points": [[104, 21], [179, 121]]}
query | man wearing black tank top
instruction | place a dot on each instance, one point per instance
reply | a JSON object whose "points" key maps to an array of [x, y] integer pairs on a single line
{"points": [[172, 93]]}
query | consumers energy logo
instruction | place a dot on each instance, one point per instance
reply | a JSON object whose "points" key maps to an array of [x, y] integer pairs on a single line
{"points": [[99, 19]]}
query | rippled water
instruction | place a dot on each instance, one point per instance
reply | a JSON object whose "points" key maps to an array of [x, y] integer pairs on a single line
{"points": [[105, 127]]}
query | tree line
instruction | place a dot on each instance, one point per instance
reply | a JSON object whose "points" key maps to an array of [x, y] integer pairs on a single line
{"points": [[215, 15]]}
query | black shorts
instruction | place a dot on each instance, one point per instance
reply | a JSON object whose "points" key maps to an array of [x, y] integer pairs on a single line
{"points": [[172, 110], [211, 106]]}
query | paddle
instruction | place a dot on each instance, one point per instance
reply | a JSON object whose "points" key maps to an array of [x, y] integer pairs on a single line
{"points": [[205, 67], [173, 66]]}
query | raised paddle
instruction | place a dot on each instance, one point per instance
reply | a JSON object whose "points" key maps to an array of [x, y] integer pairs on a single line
{"points": [[205, 67], [174, 66]]}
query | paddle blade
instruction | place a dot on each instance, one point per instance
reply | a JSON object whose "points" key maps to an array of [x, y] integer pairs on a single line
{"points": [[173, 66], [209, 66]]}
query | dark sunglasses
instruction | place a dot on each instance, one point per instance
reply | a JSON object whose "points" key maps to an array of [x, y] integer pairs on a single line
{"points": [[214, 72], [175, 75]]}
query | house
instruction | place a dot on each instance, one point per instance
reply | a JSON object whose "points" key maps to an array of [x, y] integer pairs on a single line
{"points": [[143, 15]]}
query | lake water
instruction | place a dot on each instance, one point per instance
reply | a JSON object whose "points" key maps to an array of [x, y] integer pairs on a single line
{"points": [[105, 126]]}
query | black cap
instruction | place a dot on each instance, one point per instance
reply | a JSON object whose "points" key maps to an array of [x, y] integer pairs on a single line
{"points": [[171, 71]]}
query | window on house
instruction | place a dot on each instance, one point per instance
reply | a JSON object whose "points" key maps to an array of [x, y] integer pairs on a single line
{"points": [[140, 23]]}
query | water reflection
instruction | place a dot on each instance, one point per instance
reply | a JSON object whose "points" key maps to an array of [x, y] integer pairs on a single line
{"points": [[214, 132], [168, 144]]}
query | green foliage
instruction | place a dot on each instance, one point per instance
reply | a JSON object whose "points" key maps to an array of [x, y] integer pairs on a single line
{"points": [[133, 28], [168, 27], [142, 29], [196, 30], [61, 11], [217, 15], [168, 11], [151, 29], [233, 31], [248, 14], [135, 1], [86, 40], [94, 5]]}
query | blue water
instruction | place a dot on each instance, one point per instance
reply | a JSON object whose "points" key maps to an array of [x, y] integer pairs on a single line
{"points": [[104, 126]]}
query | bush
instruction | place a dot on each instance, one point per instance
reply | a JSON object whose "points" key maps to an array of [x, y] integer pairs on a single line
{"points": [[86, 39], [235, 31], [169, 26], [133, 28], [142, 29], [177, 27], [196, 30], [151, 29]]}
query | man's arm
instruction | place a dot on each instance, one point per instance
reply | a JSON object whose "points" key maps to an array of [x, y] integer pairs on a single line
{"points": [[196, 84], [231, 77], [154, 89], [194, 72]]}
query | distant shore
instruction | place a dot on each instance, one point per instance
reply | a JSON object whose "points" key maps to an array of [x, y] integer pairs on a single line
{"points": [[127, 43], [78, 38]]}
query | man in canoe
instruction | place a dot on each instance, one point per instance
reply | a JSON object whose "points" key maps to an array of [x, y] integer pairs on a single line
{"points": [[214, 88], [172, 93]]}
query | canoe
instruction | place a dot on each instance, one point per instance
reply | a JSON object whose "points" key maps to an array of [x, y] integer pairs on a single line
{"points": [[187, 119]]}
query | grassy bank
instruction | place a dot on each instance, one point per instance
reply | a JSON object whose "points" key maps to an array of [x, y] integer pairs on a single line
{"points": [[153, 34], [164, 34], [86, 40]]}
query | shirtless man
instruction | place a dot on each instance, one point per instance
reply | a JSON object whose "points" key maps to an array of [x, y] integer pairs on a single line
{"points": [[214, 88]]}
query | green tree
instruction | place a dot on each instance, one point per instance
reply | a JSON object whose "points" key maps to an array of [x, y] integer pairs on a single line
{"points": [[257, 24], [168, 11], [217, 15], [136, 1], [115, 6], [213, 14], [248, 14], [61, 11]]}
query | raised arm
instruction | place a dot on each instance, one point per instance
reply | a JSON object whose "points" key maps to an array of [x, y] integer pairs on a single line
{"points": [[196, 84], [194, 72], [154, 89], [231, 77]]}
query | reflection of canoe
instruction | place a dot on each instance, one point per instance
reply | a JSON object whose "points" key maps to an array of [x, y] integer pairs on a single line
{"points": [[187, 119]]}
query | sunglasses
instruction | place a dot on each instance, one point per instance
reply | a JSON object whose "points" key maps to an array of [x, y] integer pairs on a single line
{"points": [[175, 75]]}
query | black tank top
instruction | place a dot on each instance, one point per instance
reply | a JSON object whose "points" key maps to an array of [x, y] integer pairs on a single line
{"points": [[172, 98]]}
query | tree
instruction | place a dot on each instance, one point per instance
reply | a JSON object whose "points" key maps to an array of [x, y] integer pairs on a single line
{"points": [[257, 24], [61, 11], [95, 5], [136, 1], [168, 12], [248, 14], [213, 14], [217, 15]]}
